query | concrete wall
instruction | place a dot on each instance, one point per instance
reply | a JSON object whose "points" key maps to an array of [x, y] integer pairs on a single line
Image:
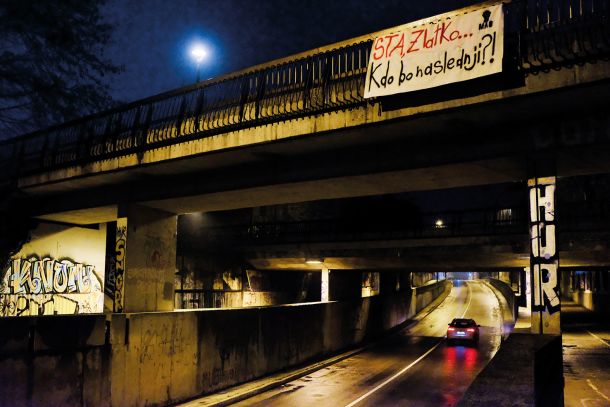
{"points": [[512, 305], [60, 271], [594, 301], [162, 357], [424, 295], [591, 289]]}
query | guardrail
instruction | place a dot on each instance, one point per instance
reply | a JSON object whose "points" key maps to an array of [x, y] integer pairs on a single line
{"points": [[549, 34]]}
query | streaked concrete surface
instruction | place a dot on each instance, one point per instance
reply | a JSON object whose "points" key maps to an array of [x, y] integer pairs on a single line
{"points": [[414, 367]]}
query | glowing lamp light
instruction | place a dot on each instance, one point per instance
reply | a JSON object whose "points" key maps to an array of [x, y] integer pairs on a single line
{"points": [[314, 261], [199, 53], [439, 223]]}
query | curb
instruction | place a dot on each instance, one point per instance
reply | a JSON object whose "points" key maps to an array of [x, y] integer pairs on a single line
{"points": [[280, 382]]}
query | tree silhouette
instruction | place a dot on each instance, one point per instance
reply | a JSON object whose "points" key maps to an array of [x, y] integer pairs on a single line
{"points": [[51, 62]]}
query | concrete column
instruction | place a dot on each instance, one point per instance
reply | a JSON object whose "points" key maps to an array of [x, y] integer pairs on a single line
{"points": [[544, 257], [324, 297], [146, 258]]}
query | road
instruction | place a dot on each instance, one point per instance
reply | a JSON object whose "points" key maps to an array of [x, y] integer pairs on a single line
{"points": [[413, 367]]}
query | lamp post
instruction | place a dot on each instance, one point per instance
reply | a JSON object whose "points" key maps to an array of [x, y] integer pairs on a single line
{"points": [[198, 53]]}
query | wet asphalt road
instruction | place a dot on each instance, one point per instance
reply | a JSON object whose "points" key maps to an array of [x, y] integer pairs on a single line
{"points": [[413, 368]]}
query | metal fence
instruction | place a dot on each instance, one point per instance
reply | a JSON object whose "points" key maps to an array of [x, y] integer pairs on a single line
{"points": [[549, 33]]}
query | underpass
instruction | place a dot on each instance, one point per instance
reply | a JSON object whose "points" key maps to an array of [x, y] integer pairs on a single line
{"points": [[116, 216], [412, 367]]}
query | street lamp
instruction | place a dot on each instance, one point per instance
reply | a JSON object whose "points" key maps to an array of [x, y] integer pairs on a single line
{"points": [[198, 53]]}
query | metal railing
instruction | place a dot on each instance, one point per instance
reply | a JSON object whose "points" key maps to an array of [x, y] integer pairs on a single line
{"points": [[475, 222], [573, 217], [549, 34]]}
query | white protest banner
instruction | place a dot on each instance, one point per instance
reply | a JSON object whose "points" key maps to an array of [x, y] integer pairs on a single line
{"points": [[434, 52]]}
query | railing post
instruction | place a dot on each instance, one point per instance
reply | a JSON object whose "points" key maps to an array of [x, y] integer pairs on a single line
{"points": [[198, 114], [245, 92], [133, 134], [260, 93], [116, 128], [44, 150], [180, 117], [326, 74], [147, 125], [82, 144]]}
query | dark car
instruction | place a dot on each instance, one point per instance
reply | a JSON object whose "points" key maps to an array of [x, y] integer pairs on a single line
{"points": [[463, 329]]}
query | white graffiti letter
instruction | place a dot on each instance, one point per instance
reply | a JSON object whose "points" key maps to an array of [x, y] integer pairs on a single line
{"points": [[547, 250], [548, 274], [60, 279], [540, 201]]}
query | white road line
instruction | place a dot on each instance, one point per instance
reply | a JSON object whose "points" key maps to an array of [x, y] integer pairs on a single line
{"points": [[598, 338], [359, 399], [585, 402], [419, 359], [591, 385]]}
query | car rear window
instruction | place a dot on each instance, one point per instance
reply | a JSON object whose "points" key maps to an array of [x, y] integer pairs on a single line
{"points": [[460, 323]]}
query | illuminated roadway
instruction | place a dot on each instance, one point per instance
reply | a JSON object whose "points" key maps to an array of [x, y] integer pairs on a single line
{"points": [[413, 367]]}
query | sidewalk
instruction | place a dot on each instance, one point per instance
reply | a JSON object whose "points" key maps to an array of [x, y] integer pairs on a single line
{"points": [[586, 357]]}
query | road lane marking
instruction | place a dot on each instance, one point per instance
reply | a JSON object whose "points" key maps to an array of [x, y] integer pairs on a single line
{"points": [[359, 399], [597, 337], [396, 375], [597, 390]]}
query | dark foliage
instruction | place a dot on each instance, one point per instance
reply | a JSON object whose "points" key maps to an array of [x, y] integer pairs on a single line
{"points": [[51, 62]]}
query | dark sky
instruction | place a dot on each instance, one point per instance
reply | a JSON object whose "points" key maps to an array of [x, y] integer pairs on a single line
{"points": [[152, 37]]}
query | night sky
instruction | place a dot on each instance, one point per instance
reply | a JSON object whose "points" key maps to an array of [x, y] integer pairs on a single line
{"points": [[152, 37]]}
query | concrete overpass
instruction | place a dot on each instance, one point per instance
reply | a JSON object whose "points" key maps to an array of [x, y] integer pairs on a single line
{"points": [[301, 129], [293, 130]]}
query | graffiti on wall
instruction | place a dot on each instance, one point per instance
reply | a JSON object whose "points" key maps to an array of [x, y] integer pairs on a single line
{"points": [[45, 275], [119, 264], [544, 255], [110, 275], [45, 286], [370, 283]]}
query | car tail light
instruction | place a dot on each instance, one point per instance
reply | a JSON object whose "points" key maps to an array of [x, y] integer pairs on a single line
{"points": [[470, 330], [451, 328]]}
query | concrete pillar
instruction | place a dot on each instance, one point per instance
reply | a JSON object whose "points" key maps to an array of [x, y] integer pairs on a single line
{"points": [[145, 260], [324, 297], [544, 257]]}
